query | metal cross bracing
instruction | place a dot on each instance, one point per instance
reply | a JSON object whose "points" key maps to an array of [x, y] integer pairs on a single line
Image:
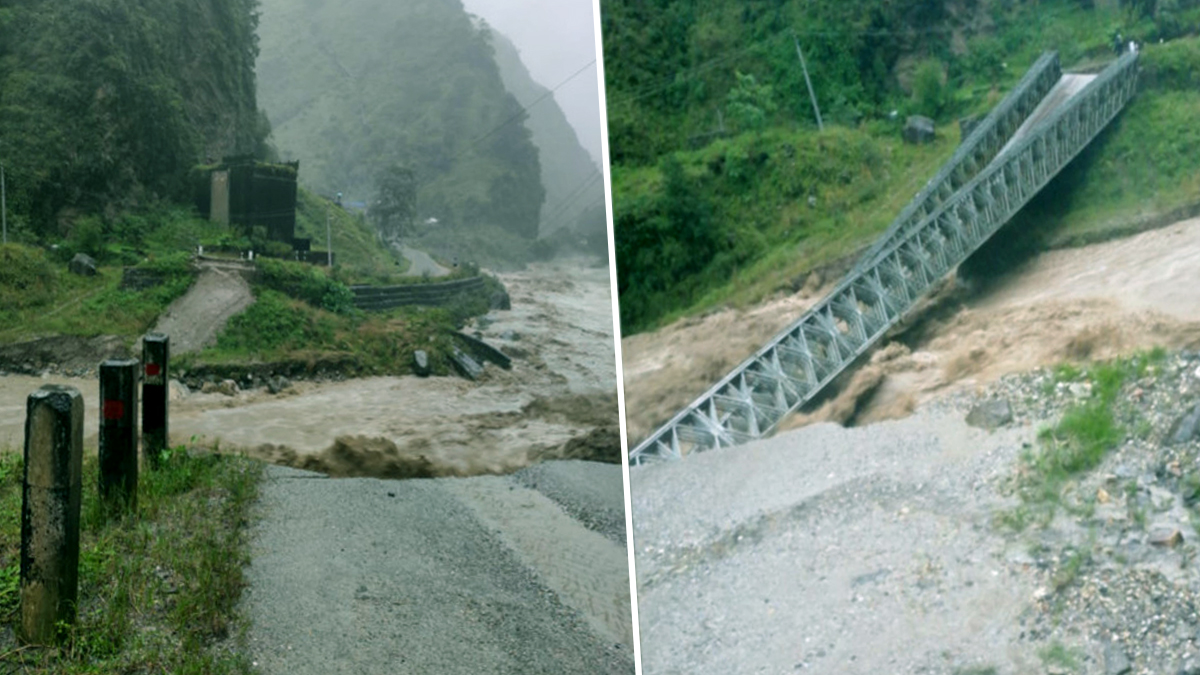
{"points": [[975, 153], [795, 365]]}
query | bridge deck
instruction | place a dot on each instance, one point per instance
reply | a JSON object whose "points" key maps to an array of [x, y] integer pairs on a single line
{"points": [[1066, 89]]}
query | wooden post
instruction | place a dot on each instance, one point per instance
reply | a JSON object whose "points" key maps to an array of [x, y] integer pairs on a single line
{"points": [[118, 434], [155, 420], [50, 512]]}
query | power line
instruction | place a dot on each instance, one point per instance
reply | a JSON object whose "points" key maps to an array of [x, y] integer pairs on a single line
{"points": [[524, 109], [573, 194], [562, 222], [678, 77]]}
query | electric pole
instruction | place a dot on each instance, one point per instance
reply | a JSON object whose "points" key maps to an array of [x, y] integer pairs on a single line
{"points": [[3, 205], [811, 94], [328, 240]]}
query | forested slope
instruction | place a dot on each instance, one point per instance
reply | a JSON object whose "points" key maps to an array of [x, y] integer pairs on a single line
{"points": [[573, 181], [724, 190], [352, 88], [105, 104]]}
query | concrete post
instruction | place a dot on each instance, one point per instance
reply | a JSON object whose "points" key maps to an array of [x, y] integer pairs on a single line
{"points": [[50, 511], [155, 422], [118, 433]]}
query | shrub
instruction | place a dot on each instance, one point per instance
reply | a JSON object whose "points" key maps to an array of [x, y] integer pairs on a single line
{"points": [[27, 279], [307, 283]]}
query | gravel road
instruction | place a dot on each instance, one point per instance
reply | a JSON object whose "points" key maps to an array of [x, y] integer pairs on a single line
{"points": [[828, 550], [476, 575], [421, 263]]}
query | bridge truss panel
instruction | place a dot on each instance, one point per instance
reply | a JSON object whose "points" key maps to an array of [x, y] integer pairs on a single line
{"points": [[795, 365]]}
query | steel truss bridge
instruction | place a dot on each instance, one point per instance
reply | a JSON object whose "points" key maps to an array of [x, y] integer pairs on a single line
{"points": [[1046, 120]]}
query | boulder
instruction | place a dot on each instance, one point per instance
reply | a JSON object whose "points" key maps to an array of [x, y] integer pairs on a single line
{"points": [[500, 300], [83, 265], [918, 130], [990, 414], [421, 363], [278, 384], [1185, 427], [465, 365], [1168, 537]]}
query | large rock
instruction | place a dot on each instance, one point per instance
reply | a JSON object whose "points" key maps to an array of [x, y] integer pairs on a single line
{"points": [[83, 265], [918, 130], [421, 363], [1115, 660], [1185, 427], [226, 387], [499, 300], [990, 414]]}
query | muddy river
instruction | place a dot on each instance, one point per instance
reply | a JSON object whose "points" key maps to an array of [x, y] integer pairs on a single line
{"points": [[561, 388]]}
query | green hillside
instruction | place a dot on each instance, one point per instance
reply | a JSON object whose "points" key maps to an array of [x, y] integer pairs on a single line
{"points": [[573, 181], [105, 104], [352, 88], [725, 191]]}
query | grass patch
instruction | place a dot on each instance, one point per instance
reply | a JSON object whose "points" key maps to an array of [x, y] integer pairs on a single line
{"points": [[355, 244], [1058, 654], [277, 328], [157, 591], [1079, 441], [61, 303]]}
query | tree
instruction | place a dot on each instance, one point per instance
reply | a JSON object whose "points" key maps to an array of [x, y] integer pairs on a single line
{"points": [[395, 205], [930, 94], [749, 104]]}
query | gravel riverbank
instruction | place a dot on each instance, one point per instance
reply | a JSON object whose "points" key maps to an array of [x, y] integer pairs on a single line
{"points": [[891, 547]]}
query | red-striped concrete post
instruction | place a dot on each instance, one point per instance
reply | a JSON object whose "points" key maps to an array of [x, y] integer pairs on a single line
{"points": [[155, 435], [50, 512], [118, 433]]}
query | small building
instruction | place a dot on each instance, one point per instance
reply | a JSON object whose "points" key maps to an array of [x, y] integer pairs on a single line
{"points": [[245, 192]]}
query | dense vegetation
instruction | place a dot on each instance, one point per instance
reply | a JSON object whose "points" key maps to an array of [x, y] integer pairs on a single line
{"points": [[105, 104], [354, 88], [725, 191]]}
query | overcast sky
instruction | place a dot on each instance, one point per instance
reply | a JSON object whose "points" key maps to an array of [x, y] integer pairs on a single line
{"points": [[555, 38]]}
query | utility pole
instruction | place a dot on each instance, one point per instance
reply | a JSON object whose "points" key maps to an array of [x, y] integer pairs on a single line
{"points": [[811, 94], [3, 205], [328, 240]]}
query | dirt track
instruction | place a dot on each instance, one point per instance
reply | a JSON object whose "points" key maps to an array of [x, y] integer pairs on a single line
{"points": [[194, 320]]}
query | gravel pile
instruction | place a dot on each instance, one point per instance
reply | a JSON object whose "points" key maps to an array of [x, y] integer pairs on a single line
{"points": [[1119, 585]]}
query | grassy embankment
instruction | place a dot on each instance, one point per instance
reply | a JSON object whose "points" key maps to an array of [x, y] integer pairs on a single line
{"points": [[303, 314], [158, 590], [773, 204]]}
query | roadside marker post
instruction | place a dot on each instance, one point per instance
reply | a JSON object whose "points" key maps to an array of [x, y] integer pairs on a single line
{"points": [[50, 502], [155, 415], [118, 433]]}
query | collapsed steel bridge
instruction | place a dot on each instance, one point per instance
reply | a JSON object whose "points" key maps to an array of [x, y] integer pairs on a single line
{"points": [[1007, 159]]}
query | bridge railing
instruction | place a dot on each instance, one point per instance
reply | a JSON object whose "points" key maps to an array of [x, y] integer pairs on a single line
{"points": [[976, 151], [791, 369]]}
